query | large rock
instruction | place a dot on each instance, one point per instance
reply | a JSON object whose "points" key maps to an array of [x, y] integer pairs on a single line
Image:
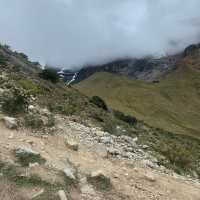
{"points": [[62, 195], [99, 180], [10, 122], [72, 144], [26, 156], [70, 171]]}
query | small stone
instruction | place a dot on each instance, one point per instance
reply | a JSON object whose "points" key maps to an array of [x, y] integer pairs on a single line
{"points": [[11, 136], [69, 173], [150, 177], [135, 139], [62, 195], [31, 107], [30, 142], [32, 165], [38, 194], [145, 146]]}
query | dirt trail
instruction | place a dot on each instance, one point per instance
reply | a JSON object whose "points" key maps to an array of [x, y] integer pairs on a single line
{"points": [[130, 181]]}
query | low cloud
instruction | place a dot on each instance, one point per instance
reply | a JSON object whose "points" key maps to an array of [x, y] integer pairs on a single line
{"points": [[72, 33]]}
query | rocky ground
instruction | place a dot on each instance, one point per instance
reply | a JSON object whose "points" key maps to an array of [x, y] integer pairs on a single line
{"points": [[100, 165]]}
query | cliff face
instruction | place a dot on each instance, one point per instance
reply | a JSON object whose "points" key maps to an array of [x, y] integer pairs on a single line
{"points": [[147, 69]]}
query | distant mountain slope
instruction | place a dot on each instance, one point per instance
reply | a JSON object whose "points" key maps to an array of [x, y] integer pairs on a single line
{"points": [[172, 104], [147, 69]]}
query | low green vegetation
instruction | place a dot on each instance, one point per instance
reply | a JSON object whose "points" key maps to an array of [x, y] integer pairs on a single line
{"points": [[172, 104], [26, 158], [12, 174], [177, 152], [126, 118], [14, 101], [31, 87], [50, 74], [99, 102], [3, 61], [33, 121]]}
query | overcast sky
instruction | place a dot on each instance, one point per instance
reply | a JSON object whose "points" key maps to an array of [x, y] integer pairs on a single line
{"points": [[77, 32]]}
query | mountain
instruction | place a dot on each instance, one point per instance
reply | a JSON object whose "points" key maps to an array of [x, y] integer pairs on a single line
{"points": [[148, 68], [172, 104], [57, 143]]}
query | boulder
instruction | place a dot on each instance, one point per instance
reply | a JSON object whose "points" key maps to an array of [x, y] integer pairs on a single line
{"points": [[10, 122], [62, 195], [99, 180], [72, 144], [26, 156]]}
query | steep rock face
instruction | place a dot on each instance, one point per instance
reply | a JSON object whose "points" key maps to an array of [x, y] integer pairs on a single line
{"points": [[147, 69]]}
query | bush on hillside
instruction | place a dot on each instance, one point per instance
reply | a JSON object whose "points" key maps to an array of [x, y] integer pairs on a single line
{"points": [[126, 118], [99, 102], [50, 75], [14, 102], [3, 60], [179, 156], [33, 121]]}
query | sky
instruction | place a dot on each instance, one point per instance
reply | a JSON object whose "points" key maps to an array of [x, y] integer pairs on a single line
{"points": [[73, 33]]}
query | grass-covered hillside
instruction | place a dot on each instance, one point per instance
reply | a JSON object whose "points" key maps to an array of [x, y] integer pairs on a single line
{"points": [[172, 104], [36, 99]]}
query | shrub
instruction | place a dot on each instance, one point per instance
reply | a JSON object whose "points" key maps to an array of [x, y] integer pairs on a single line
{"points": [[126, 118], [33, 121], [99, 102], [30, 87], [178, 155], [50, 75], [3, 60], [14, 102]]}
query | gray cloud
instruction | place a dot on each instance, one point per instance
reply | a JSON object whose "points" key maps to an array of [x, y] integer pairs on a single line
{"points": [[76, 32]]}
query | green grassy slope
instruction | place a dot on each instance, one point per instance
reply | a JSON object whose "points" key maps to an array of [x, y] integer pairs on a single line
{"points": [[173, 104]]}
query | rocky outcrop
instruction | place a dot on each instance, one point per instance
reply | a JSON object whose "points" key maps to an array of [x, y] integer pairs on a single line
{"points": [[147, 69], [10, 122]]}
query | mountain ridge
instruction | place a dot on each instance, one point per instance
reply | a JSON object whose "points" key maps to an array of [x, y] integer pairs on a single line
{"points": [[172, 103]]}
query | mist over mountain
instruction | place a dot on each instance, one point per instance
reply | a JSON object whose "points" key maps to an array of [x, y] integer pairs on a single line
{"points": [[73, 32]]}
